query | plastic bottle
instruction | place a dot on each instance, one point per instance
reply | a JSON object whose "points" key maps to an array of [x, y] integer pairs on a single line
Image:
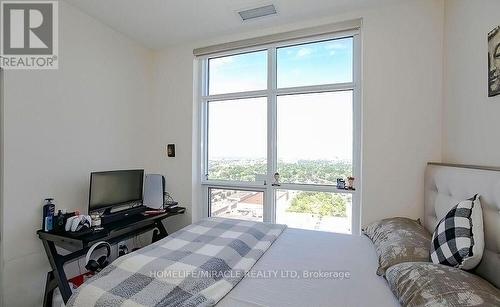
{"points": [[48, 214]]}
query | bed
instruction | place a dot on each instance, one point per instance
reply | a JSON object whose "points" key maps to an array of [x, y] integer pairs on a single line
{"points": [[307, 250], [352, 258]]}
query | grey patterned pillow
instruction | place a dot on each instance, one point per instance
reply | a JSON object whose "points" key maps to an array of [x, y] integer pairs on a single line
{"points": [[397, 240], [429, 284]]}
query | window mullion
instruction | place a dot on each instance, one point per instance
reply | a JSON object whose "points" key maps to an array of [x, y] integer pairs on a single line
{"points": [[357, 135], [272, 134], [335, 87], [204, 118], [239, 95]]}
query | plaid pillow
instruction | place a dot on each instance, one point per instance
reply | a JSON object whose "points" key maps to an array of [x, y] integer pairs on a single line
{"points": [[458, 238]]}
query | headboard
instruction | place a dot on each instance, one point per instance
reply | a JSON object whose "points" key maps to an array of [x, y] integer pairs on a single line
{"points": [[448, 184]]}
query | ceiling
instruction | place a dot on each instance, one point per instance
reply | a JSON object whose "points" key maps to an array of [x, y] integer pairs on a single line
{"points": [[159, 24]]}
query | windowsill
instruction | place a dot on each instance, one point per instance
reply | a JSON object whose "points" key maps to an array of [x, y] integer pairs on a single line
{"points": [[286, 186]]}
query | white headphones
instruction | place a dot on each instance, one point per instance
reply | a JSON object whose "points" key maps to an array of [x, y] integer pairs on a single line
{"points": [[99, 264]]}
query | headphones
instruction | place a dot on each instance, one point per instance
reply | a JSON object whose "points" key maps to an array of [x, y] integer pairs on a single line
{"points": [[99, 264]]}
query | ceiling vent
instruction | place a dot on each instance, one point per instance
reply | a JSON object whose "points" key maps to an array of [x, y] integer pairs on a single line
{"points": [[258, 12]]}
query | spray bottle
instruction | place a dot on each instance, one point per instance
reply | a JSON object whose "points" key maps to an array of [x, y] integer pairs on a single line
{"points": [[48, 214]]}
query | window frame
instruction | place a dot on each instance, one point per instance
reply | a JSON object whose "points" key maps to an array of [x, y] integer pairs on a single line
{"points": [[272, 92]]}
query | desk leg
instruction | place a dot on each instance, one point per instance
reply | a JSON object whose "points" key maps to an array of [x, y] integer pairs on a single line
{"points": [[163, 232], [49, 290], [56, 262]]}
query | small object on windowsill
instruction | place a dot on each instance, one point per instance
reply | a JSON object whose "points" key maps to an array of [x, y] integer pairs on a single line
{"points": [[350, 184], [277, 178], [346, 188], [341, 184]]}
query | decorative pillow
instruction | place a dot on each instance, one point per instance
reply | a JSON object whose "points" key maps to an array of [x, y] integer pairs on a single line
{"points": [[458, 240], [399, 240], [429, 284]]}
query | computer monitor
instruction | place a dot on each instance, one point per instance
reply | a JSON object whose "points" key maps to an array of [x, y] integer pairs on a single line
{"points": [[115, 189]]}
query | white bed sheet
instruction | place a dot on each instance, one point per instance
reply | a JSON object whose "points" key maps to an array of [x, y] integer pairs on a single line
{"points": [[306, 250]]}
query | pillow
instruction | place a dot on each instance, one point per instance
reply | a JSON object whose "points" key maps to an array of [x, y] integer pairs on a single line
{"points": [[399, 240], [429, 284], [458, 240]]}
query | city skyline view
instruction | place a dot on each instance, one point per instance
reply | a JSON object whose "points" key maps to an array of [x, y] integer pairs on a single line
{"points": [[238, 128], [312, 132]]}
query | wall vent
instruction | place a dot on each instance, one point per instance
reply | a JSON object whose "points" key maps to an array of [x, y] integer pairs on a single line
{"points": [[257, 12]]}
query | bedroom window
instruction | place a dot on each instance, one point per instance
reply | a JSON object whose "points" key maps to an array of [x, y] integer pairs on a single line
{"points": [[280, 124], [237, 130], [238, 204]]}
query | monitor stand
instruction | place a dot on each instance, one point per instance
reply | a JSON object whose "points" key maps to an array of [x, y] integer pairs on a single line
{"points": [[118, 213]]}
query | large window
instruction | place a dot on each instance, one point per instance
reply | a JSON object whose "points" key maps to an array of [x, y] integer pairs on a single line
{"points": [[324, 62], [237, 73], [237, 134], [314, 137], [237, 204], [280, 126]]}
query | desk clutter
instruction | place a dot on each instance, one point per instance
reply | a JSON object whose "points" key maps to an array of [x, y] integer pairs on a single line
{"points": [[122, 205], [63, 221], [80, 244], [75, 222], [113, 196]]}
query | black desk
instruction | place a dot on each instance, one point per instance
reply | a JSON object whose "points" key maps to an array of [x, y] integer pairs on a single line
{"points": [[79, 243]]}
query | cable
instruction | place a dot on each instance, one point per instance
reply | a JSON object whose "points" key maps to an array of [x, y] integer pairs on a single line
{"points": [[167, 198], [79, 267]]}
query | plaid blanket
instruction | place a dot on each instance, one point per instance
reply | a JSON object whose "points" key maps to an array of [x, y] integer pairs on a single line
{"points": [[195, 266]]}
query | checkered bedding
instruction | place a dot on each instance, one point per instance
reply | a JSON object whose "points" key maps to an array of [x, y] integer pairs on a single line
{"points": [[195, 266]]}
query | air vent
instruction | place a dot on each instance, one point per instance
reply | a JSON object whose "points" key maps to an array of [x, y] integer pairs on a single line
{"points": [[257, 12]]}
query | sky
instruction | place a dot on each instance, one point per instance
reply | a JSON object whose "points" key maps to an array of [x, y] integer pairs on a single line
{"points": [[309, 126]]}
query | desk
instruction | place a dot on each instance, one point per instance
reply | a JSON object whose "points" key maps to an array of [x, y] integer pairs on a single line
{"points": [[79, 243]]}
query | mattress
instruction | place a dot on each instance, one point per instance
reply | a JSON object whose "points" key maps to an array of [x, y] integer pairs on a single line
{"points": [[312, 268]]}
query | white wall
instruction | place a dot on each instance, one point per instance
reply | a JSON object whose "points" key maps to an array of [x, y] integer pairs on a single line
{"points": [[402, 105], [173, 119], [60, 125], [402, 95], [471, 126]]}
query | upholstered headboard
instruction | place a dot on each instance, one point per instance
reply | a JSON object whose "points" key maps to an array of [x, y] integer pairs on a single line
{"points": [[446, 185]]}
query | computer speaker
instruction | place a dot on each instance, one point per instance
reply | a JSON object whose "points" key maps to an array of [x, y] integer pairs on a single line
{"points": [[154, 189]]}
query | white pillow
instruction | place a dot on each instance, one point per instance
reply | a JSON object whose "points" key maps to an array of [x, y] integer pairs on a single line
{"points": [[458, 240]]}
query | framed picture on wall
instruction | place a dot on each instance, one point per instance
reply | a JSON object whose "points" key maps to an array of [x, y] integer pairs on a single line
{"points": [[494, 62]]}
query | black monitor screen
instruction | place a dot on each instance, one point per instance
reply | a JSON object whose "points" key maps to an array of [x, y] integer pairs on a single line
{"points": [[108, 189]]}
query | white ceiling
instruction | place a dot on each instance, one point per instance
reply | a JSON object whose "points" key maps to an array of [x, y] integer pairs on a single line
{"points": [[161, 23]]}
